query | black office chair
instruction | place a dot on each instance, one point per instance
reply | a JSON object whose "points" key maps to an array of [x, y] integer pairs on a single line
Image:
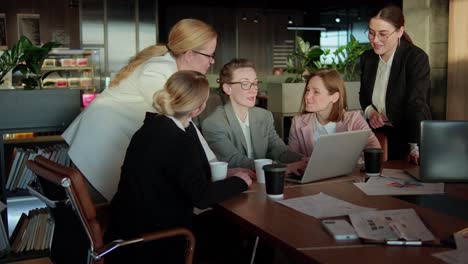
{"points": [[78, 235]]}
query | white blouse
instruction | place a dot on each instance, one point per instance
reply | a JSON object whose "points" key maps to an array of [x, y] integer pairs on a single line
{"points": [[380, 86]]}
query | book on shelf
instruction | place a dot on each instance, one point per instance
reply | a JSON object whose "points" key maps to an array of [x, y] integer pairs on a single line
{"points": [[20, 176], [18, 156], [17, 163], [40, 230], [19, 231], [34, 232], [4, 242]]}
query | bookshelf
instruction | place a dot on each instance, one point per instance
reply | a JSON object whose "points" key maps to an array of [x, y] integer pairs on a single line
{"points": [[33, 111]]}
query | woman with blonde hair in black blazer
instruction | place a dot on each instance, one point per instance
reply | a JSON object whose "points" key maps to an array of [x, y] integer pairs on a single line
{"points": [[166, 173]]}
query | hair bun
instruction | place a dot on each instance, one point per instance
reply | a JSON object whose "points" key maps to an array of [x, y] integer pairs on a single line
{"points": [[162, 102]]}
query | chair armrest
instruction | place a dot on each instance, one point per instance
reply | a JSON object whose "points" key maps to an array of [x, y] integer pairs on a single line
{"points": [[50, 203], [147, 237], [172, 233]]}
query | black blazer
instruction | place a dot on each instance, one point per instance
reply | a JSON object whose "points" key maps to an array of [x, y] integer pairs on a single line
{"points": [[164, 175], [408, 88]]}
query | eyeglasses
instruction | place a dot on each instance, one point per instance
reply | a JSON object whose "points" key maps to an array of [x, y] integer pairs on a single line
{"points": [[210, 57], [245, 85], [382, 36]]}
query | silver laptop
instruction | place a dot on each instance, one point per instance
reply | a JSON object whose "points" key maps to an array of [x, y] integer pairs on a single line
{"points": [[334, 155], [443, 153]]}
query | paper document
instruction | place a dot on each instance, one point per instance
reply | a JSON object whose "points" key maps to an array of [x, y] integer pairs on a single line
{"points": [[397, 182], [460, 255], [390, 225], [452, 256], [322, 205]]}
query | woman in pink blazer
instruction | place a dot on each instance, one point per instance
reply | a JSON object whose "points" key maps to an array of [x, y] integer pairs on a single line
{"points": [[323, 111]]}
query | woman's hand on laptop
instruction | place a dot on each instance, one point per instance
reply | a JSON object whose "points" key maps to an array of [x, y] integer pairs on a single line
{"points": [[236, 171], [297, 167]]}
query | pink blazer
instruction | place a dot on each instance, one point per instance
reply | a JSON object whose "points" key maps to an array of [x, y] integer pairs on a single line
{"points": [[301, 135]]}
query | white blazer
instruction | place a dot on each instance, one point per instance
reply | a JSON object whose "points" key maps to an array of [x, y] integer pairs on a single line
{"points": [[99, 136]]}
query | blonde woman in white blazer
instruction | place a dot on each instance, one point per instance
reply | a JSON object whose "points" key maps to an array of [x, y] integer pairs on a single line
{"points": [[100, 135]]}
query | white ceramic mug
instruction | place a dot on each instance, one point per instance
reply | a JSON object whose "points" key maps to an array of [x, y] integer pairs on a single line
{"points": [[218, 170], [259, 163]]}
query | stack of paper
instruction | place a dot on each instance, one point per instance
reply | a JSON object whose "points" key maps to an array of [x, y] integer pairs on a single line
{"points": [[387, 225], [322, 205], [397, 182]]}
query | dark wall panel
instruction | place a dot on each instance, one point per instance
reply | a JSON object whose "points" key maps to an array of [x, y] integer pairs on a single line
{"points": [[56, 17]]}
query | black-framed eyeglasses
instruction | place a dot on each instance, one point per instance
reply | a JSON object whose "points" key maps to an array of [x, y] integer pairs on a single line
{"points": [[245, 85], [211, 57], [383, 37]]}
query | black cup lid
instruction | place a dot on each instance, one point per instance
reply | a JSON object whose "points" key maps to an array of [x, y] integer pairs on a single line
{"points": [[275, 167], [374, 150]]}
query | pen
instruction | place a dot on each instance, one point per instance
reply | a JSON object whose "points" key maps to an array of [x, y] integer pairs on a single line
{"points": [[403, 242]]}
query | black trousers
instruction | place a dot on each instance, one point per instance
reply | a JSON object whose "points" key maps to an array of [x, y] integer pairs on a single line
{"points": [[398, 147], [221, 241]]}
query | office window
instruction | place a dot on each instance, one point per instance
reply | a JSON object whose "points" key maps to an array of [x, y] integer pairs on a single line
{"points": [[359, 31], [332, 40]]}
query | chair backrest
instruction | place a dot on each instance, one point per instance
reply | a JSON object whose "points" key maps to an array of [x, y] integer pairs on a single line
{"points": [[59, 182], [72, 181], [216, 98]]}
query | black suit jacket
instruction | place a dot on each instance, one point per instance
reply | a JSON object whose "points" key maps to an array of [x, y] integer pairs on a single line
{"points": [[164, 175], [407, 91]]}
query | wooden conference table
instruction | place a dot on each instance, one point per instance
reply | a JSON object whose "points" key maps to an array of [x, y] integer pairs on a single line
{"points": [[304, 240]]}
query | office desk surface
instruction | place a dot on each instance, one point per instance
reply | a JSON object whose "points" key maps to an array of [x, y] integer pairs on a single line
{"points": [[304, 239]]}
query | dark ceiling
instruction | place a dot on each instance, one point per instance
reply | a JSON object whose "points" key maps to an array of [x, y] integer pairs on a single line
{"points": [[306, 5]]}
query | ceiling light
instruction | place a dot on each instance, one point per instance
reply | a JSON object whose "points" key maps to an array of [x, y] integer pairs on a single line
{"points": [[307, 28], [244, 17], [290, 21], [337, 19], [255, 19]]}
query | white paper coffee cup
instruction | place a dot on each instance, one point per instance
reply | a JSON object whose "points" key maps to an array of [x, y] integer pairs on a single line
{"points": [[218, 170], [259, 163]]}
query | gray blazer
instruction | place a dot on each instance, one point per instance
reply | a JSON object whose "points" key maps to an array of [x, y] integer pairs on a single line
{"points": [[224, 135]]}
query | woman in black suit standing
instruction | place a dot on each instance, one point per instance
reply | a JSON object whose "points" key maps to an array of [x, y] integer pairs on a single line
{"points": [[395, 84]]}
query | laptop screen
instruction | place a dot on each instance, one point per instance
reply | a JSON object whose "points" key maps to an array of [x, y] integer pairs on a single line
{"points": [[444, 151]]}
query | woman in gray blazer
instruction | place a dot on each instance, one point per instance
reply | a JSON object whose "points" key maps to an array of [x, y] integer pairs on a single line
{"points": [[238, 132]]}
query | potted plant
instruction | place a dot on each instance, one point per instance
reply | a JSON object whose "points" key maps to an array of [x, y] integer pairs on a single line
{"points": [[307, 58], [27, 58], [31, 65], [302, 60], [10, 58], [344, 59]]}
